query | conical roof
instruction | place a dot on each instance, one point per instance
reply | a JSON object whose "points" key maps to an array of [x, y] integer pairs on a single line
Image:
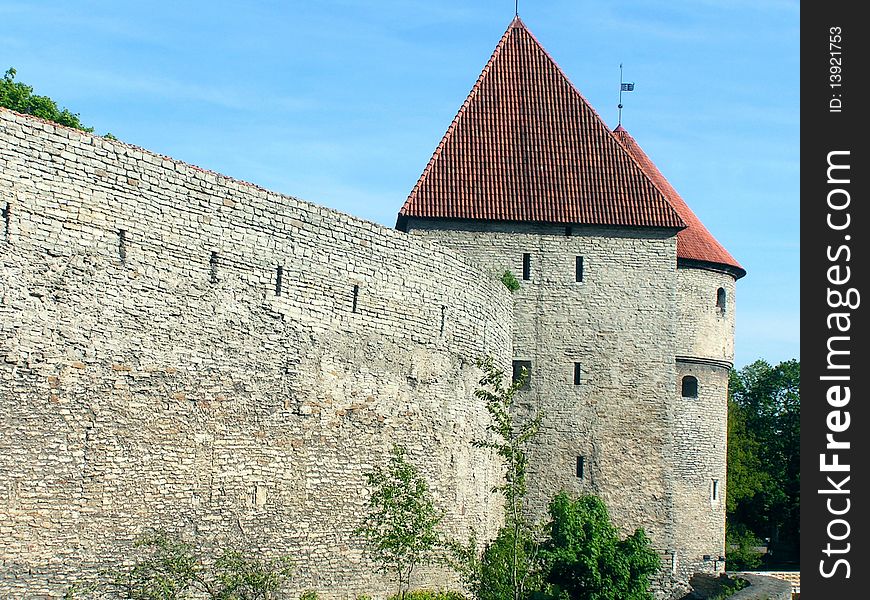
{"points": [[527, 146], [695, 242]]}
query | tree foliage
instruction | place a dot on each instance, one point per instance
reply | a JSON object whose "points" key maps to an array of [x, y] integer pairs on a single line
{"points": [[20, 98], [401, 528], [508, 567], [166, 568], [763, 495], [585, 559]]}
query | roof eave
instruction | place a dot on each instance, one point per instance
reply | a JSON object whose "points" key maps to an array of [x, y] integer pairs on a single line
{"points": [[734, 270]]}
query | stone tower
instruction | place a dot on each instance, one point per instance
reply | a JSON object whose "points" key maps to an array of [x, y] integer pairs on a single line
{"points": [[625, 314], [706, 274]]}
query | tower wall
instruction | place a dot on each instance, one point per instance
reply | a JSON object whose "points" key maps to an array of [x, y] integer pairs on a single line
{"points": [[705, 330], [152, 376], [619, 324], [705, 352]]}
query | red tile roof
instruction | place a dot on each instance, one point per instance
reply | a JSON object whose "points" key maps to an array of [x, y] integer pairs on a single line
{"points": [[694, 242], [527, 146]]}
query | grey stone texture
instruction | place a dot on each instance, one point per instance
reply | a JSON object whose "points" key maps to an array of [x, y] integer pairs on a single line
{"points": [[705, 331], [166, 385], [761, 587], [158, 369]]}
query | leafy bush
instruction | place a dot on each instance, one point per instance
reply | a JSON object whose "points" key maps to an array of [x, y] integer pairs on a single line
{"points": [[740, 548], [510, 280], [167, 568], [310, 595], [585, 559], [431, 595], [509, 567]]}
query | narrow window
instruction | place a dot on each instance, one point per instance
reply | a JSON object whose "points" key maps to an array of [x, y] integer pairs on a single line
{"points": [[569, 231], [578, 268], [578, 374], [714, 491], [7, 220], [518, 366], [720, 300], [355, 297], [527, 266], [443, 318], [279, 275], [213, 268], [690, 387], [122, 245], [580, 463]]}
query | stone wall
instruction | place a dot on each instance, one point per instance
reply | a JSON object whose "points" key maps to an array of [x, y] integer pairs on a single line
{"points": [[705, 351], [704, 329], [619, 324], [700, 460], [156, 370], [761, 587]]}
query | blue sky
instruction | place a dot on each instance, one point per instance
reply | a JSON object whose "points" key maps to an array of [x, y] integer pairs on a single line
{"points": [[342, 102]]}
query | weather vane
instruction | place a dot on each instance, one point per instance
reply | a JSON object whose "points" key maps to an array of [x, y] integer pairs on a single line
{"points": [[624, 86], [516, 8]]}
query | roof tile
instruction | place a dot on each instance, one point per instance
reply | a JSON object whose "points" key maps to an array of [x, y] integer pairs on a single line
{"points": [[527, 146], [694, 242]]}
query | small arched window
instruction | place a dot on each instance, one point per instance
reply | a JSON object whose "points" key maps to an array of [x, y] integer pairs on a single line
{"points": [[720, 300], [690, 387]]}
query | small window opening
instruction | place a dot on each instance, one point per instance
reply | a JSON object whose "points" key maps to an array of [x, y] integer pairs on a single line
{"points": [[443, 318], [578, 268], [580, 463], [720, 300], [518, 366], [569, 231], [578, 374], [690, 387], [213, 268], [355, 297], [7, 220], [122, 245], [714, 491], [279, 276], [527, 266]]}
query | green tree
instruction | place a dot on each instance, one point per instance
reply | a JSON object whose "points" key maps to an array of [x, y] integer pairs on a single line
{"points": [[508, 567], [763, 495], [20, 98], [585, 559], [741, 547], [402, 525]]}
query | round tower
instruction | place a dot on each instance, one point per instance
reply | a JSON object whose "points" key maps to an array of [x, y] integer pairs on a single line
{"points": [[705, 355], [706, 277]]}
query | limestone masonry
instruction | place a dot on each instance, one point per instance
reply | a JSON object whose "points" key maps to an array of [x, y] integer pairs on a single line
{"points": [[185, 351]]}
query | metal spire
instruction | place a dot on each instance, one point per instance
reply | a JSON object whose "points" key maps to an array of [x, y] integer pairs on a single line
{"points": [[516, 8], [624, 86]]}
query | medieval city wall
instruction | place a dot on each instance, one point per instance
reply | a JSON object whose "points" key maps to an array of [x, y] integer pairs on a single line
{"points": [[184, 351]]}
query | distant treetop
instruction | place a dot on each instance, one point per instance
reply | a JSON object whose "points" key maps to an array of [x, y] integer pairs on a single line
{"points": [[20, 98]]}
